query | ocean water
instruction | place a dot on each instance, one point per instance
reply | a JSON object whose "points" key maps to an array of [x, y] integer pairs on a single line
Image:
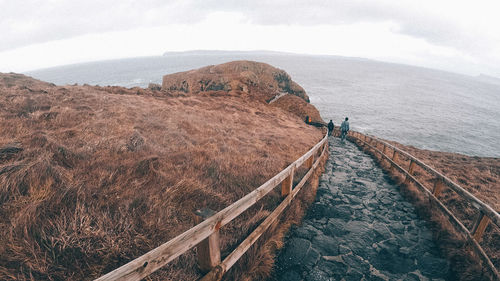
{"points": [[422, 107]]}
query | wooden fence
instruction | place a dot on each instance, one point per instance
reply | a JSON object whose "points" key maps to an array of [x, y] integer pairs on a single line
{"points": [[205, 235], [486, 214]]}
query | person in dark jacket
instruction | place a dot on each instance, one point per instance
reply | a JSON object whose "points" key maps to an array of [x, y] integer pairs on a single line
{"points": [[330, 127]]}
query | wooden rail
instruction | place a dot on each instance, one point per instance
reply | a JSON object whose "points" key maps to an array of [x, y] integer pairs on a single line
{"points": [[207, 231], [486, 214]]}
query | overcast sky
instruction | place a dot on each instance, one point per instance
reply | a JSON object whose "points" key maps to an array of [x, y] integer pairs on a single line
{"points": [[455, 35]]}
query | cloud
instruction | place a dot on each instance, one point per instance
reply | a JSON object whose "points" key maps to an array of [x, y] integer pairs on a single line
{"points": [[465, 25], [466, 29], [36, 21], [231, 31], [444, 22]]}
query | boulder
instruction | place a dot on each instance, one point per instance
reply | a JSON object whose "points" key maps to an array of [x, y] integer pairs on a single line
{"points": [[295, 252], [327, 245], [433, 266]]}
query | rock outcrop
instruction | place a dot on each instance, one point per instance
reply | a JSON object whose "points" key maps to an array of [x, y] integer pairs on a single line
{"points": [[259, 80]]}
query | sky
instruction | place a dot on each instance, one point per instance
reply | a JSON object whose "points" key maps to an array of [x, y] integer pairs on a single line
{"points": [[453, 35]]}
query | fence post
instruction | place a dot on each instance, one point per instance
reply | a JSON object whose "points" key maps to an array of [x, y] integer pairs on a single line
{"points": [[410, 172], [208, 249], [395, 156], [394, 159], [411, 168], [438, 186], [309, 162], [362, 141], [384, 153], [287, 183], [479, 227]]}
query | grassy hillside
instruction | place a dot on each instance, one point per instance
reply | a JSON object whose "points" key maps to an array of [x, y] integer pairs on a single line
{"points": [[93, 177]]}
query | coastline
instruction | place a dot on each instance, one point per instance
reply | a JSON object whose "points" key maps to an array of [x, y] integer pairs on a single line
{"points": [[118, 171]]}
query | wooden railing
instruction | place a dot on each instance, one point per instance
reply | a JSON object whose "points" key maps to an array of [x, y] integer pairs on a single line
{"points": [[205, 235], [486, 214]]}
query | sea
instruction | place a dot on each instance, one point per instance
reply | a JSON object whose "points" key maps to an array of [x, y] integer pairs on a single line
{"points": [[425, 108]]}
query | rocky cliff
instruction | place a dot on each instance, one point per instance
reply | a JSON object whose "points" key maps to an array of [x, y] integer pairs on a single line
{"points": [[259, 80]]}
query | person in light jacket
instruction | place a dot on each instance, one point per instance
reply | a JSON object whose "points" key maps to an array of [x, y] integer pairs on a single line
{"points": [[344, 128]]}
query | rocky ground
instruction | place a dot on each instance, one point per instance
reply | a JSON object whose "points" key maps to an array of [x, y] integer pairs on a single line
{"points": [[359, 228]]}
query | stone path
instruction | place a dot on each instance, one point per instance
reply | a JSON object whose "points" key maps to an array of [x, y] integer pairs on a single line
{"points": [[359, 228]]}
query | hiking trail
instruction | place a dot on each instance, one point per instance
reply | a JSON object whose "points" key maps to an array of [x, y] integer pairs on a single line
{"points": [[359, 228]]}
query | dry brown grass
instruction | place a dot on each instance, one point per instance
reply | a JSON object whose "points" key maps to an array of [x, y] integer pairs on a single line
{"points": [[478, 175], [93, 177], [259, 260]]}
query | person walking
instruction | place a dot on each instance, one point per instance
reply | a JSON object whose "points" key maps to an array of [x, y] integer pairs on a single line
{"points": [[330, 127], [344, 128]]}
